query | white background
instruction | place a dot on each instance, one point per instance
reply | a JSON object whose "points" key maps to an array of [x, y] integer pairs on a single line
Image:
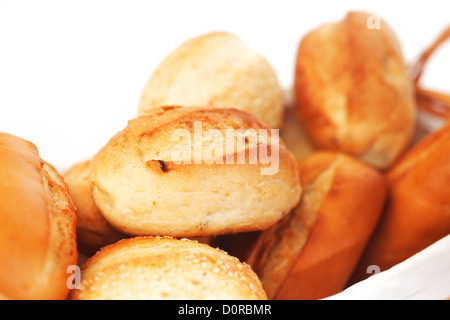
{"points": [[71, 72]]}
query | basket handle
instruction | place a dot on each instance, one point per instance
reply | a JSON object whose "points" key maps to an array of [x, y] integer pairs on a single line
{"points": [[437, 103]]}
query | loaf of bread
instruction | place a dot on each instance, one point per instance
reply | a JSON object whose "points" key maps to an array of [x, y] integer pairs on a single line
{"points": [[156, 268], [37, 222], [418, 211], [175, 172], [216, 70], [93, 231], [311, 253], [352, 90]]}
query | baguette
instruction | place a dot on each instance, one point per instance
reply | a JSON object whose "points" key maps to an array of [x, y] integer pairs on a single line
{"points": [[312, 252]]}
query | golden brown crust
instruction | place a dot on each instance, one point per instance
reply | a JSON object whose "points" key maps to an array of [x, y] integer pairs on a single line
{"points": [[353, 92], [311, 253], [93, 231], [62, 251], [418, 211], [143, 187], [166, 268], [216, 70], [37, 217]]}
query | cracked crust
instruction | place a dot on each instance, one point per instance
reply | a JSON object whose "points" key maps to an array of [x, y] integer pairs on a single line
{"points": [[38, 219], [155, 268], [142, 187], [353, 92]]}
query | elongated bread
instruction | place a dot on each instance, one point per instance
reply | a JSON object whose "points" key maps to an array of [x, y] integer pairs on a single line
{"points": [[353, 92], [155, 268], [37, 224], [174, 172], [311, 253], [418, 211], [216, 70]]}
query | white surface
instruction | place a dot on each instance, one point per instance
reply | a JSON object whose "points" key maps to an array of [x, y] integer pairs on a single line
{"points": [[71, 72], [424, 276]]}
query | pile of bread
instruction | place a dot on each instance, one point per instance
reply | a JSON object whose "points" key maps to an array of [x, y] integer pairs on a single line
{"points": [[354, 187]]}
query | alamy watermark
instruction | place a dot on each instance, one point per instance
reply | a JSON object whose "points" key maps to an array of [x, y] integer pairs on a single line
{"points": [[236, 146], [373, 269], [74, 280], [373, 22]]}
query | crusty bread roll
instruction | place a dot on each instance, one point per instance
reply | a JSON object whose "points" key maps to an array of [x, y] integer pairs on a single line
{"points": [[155, 268], [37, 222], [311, 253], [216, 70], [418, 211], [147, 180], [353, 92], [93, 231]]}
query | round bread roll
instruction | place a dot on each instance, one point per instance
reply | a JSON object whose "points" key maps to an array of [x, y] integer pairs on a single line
{"points": [[93, 231], [353, 92], [216, 70], [155, 268], [418, 211], [175, 172], [311, 253], [37, 225]]}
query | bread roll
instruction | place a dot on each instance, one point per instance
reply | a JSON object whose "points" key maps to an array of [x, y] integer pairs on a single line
{"points": [[148, 181], [216, 70], [154, 268], [418, 211], [37, 224], [353, 92], [93, 231], [311, 253]]}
